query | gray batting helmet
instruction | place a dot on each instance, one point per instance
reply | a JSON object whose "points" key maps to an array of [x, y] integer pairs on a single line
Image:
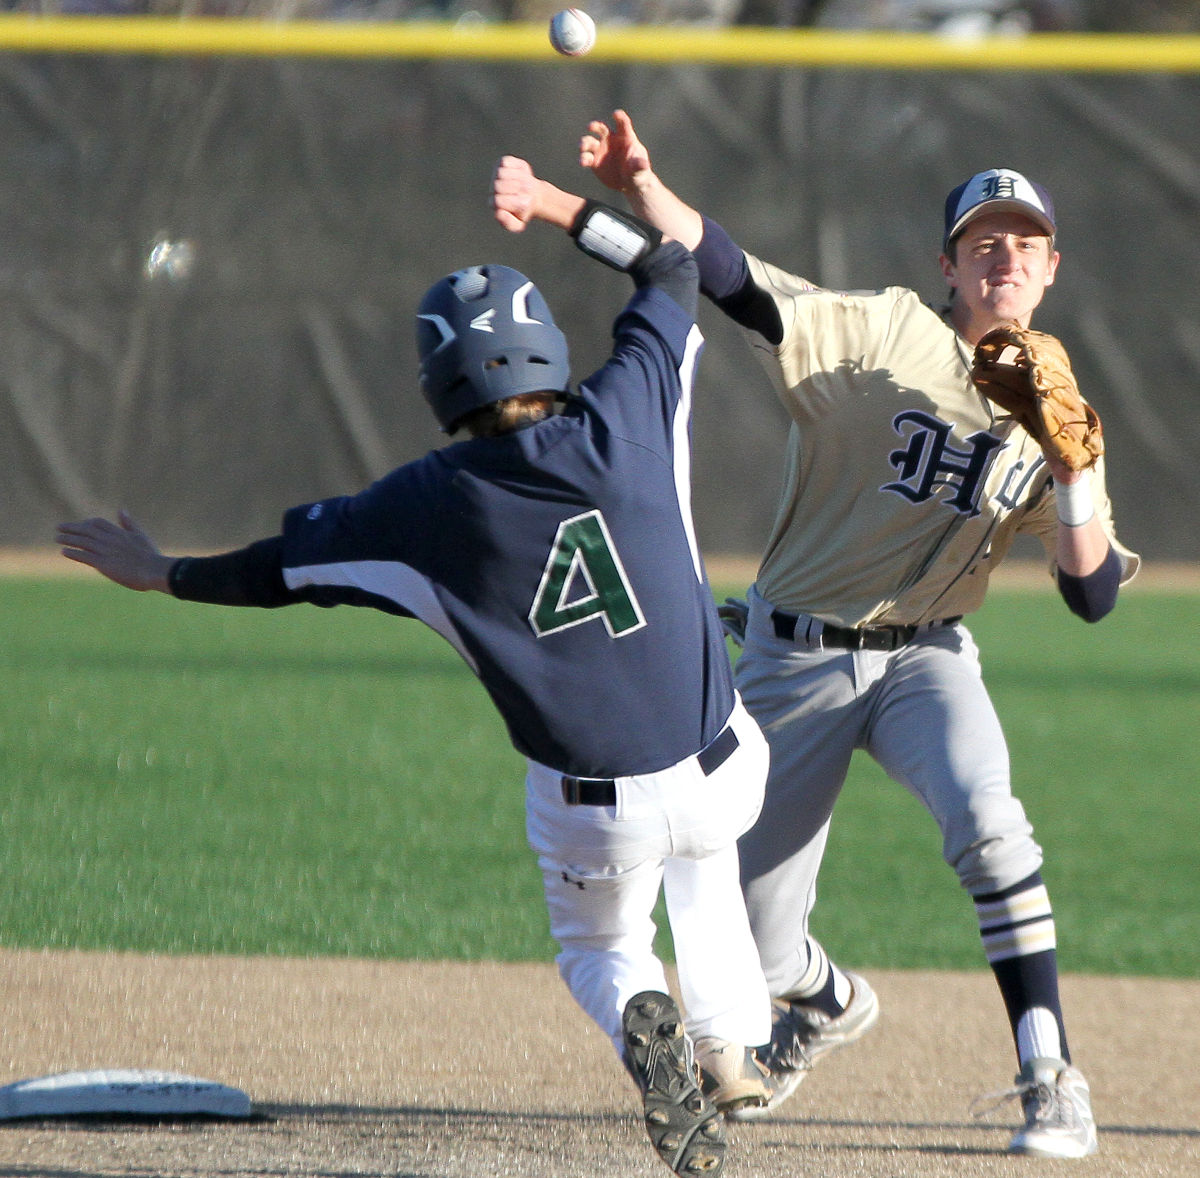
{"points": [[484, 334]]}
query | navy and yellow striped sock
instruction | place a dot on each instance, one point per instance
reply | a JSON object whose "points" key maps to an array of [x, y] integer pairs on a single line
{"points": [[1016, 926]]}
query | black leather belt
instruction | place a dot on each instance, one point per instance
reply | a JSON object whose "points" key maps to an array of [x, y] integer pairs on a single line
{"points": [[602, 791], [861, 638]]}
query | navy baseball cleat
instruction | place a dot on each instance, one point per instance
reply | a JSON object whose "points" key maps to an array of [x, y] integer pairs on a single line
{"points": [[684, 1125]]}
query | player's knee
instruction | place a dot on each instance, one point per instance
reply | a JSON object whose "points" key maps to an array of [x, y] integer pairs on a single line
{"points": [[993, 864]]}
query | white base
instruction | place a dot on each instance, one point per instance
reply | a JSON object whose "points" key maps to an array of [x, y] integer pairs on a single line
{"points": [[121, 1090]]}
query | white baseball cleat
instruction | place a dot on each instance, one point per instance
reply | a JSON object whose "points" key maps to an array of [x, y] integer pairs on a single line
{"points": [[1058, 1112], [801, 1034], [731, 1075]]}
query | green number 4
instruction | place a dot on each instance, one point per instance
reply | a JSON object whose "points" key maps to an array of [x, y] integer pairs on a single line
{"points": [[584, 549]]}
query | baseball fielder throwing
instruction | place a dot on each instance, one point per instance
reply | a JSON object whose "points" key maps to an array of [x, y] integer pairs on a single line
{"points": [[554, 549], [904, 488]]}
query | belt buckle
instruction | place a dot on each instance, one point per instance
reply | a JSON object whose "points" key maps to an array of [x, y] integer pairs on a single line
{"points": [[880, 638], [842, 637], [893, 637]]}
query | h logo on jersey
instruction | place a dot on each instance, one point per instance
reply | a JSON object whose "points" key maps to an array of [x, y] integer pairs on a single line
{"points": [[929, 464]]}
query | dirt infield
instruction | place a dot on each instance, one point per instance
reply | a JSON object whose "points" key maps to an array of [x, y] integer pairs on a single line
{"points": [[460, 1071]]}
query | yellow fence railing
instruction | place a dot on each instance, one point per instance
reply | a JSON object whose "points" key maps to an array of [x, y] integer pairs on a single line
{"points": [[1064, 52]]}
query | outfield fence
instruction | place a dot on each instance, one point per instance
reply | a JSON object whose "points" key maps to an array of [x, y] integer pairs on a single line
{"points": [[217, 232]]}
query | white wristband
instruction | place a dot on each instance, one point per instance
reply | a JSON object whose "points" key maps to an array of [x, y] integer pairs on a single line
{"points": [[1074, 501]]}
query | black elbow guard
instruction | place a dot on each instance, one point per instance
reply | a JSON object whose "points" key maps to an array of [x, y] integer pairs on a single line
{"points": [[617, 239], [1093, 596]]}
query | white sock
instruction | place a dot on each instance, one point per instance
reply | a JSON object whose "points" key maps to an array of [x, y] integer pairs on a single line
{"points": [[1037, 1035]]}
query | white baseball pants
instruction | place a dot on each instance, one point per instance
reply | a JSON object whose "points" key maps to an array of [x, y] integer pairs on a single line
{"points": [[602, 869]]}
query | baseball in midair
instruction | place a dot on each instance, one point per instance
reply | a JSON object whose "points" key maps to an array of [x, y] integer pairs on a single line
{"points": [[572, 32]]}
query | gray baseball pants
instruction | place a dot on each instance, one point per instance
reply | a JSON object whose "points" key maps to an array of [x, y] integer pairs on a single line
{"points": [[924, 714]]}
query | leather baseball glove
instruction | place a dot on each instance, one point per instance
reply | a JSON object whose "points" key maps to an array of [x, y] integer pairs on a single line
{"points": [[1028, 375]]}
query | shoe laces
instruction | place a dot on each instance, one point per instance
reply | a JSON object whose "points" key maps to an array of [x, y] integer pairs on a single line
{"points": [[1039, 1101], [988, 1102], [788, 1049]]}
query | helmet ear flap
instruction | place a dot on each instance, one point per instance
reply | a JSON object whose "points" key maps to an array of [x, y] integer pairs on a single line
{"points": [[484, 334]]}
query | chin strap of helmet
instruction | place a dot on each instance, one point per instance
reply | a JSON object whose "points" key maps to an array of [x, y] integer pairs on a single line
{"points": [[616, 238]]}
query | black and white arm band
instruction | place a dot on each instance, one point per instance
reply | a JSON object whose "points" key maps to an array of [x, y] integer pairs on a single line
{"points": [[616, 238]]}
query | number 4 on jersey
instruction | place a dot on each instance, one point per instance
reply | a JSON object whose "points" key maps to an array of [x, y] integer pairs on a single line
{"points": [[584, 548]]}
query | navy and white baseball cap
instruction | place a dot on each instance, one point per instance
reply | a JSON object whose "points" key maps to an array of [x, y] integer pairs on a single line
{"points": [[997, 190]]}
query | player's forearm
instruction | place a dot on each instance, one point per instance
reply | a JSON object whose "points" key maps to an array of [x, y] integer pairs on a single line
{"points": [[1081, 544], [556, 207], [653, 201], [250, 576], [1081, 550], [1089, 570]]}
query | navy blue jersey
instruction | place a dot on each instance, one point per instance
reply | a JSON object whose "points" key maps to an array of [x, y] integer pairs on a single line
{"points": [[559, 560]]}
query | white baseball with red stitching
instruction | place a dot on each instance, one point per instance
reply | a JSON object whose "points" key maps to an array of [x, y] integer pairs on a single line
{"points": [[572, 32]]}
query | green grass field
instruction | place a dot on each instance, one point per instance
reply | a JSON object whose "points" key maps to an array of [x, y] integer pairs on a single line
{"points": [[188, 779]]}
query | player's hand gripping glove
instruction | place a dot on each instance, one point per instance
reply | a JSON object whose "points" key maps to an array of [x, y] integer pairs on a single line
{"points": [[733, 615], [1028, 374]]}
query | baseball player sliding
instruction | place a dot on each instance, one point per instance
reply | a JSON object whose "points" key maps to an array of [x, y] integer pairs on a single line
{"points": [[554, 549], [904, 488]]}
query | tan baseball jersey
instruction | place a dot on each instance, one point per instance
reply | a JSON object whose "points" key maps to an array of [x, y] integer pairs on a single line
{"points": [[903, 486]]}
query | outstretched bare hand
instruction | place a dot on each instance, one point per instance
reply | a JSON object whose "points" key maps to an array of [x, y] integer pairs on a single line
{"points": [[615, 155], [121, 551]]}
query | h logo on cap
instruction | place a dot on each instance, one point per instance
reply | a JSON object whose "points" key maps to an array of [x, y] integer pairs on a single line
{"points": [[997, 190], [999, 187]]}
